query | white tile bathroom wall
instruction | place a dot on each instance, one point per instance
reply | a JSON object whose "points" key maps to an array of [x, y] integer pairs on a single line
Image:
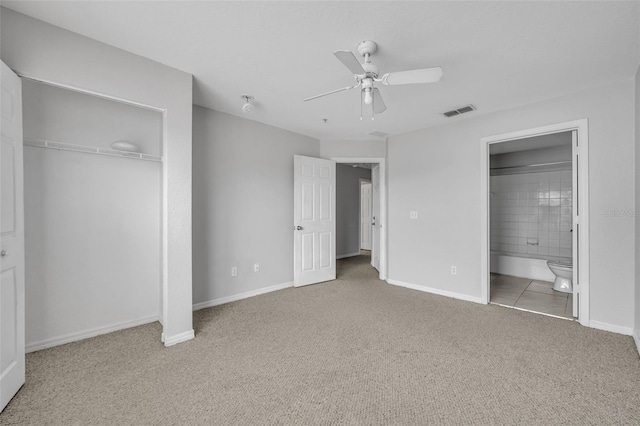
{"points": [[531, 214]]}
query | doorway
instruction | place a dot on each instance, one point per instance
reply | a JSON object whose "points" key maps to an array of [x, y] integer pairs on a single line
{"points": [[366, 215], [378, 209], [527, 233]]}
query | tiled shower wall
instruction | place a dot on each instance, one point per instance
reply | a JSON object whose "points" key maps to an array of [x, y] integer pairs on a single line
{"points": [[531, 214]]}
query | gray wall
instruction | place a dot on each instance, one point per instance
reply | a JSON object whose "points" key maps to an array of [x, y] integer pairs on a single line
{"points": [[48, 53], [331, 148], [437, 171], [637, 209], [242, 203], [348, 208]]}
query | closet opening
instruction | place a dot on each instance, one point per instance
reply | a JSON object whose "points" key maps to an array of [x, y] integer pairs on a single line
{"points": [[93, 214]]}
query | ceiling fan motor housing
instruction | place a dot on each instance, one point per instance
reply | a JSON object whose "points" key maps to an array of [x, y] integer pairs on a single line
{"points": [[370, 69]]}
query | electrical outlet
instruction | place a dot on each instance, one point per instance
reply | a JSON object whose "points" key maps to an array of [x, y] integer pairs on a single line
{"points": [[454, 270], [256, 267], [234, 271], [413, 214]]}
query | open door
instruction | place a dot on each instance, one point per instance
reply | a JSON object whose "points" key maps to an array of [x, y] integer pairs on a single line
{"points": [[365, 215], [575, 230], [11, 239], [314, 220], [375, 220]]}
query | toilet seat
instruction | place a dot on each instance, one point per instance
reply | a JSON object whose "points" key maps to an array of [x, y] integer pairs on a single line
{"points": [[562, 263]]}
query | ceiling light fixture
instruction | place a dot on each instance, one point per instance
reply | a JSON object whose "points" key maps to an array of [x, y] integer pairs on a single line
{"points": [[248, 106]]}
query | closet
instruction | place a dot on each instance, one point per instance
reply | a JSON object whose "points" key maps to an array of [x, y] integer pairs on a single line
{"points": [[92, 215]]}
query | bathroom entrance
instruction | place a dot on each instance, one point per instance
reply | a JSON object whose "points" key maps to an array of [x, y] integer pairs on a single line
{"points": [[535, 251]]}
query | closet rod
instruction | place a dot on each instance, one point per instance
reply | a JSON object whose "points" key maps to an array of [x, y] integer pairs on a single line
{"points": [[61, 146]]}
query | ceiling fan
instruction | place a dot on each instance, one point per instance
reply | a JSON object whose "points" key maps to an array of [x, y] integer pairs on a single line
{"points": [[367, 73]]}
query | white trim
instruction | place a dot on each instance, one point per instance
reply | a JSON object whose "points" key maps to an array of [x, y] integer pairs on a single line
{"points": [[437, 291], [179, 338], [636, 338], [582, 127], [532, 312], [628, 331], [240, 296], [343, 256], [81, 335], [383, 205]]}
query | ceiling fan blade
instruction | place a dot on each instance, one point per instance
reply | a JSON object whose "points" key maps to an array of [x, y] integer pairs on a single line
{"points": [[426, 75], [378, 104], [349, 60], [331, 92]]}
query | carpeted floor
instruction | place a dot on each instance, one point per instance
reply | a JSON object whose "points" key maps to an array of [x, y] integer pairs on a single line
{"points": [[351, 351]]}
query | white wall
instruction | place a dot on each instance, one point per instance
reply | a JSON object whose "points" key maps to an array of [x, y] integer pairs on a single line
{"points": [[348, 208], [437, 172], [48, 53], [92, 223], [374, 148], [242, 204]]}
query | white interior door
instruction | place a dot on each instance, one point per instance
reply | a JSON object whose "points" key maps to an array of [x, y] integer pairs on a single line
{"points": [[375, 218], [11, 239], [576, 225], [314, 220], [365, 215]]}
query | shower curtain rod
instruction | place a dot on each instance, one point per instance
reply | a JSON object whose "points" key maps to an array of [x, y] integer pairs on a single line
{"points": [[557, 163], [41, 143]]}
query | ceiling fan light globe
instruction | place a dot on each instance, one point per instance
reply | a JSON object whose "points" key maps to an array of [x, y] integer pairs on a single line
{"points": [[368, 98]]}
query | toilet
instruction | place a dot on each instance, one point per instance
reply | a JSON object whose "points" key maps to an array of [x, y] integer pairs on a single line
{"points": [[563, 270]]}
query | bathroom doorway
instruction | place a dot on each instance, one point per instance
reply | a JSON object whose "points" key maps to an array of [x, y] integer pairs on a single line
{"points": [[535, 248]]}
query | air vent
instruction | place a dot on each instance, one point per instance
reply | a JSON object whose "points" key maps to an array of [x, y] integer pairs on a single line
{"points": [[459, 111]]}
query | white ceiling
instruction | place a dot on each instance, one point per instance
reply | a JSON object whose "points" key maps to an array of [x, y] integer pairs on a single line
{"points": [[495, 55]]}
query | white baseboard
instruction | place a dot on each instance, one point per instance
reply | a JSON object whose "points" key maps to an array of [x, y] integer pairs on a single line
{"points": [[178, 338], [85, 334], [240, 296], [342, 256], [611, 327], [636, 337], [437, 291]]}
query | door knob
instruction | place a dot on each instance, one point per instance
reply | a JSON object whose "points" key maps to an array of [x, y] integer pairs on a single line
{"points": [[3, 253], [299, 228]]}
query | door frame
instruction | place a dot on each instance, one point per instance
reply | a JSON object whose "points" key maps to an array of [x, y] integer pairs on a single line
{"points": [[164, 231], [580, 212], [383, 204], [360, 182]]}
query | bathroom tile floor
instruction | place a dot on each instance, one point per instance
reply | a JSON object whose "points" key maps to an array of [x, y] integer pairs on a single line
{"points": [[533, 295]]}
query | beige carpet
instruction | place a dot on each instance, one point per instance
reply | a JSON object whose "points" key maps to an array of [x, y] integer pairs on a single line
{"points": [[352, 351]]}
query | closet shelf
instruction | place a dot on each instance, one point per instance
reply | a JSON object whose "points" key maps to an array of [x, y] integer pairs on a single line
{"points": [[40, 143]]}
